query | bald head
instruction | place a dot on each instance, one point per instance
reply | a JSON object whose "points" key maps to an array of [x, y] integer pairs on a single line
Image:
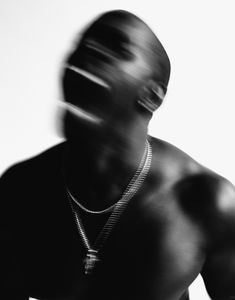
{"points": [[111, 24], [118, 72], [150, 43]]}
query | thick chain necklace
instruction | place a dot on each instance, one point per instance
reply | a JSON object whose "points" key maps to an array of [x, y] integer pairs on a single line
{"points": [[117, 209]]}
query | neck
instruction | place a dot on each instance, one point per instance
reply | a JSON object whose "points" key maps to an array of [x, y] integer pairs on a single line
{"points": [[102, 154], [104, 165]]}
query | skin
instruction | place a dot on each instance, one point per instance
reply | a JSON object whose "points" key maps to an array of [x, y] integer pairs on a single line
{"points": [[182, 220]]}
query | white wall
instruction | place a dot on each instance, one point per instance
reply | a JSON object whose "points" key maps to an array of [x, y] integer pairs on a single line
{"points": [[197, 115]]}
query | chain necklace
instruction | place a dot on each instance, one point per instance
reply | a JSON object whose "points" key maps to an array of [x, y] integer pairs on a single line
{"points": [[117, 209], [88, 210], [106, 210]]}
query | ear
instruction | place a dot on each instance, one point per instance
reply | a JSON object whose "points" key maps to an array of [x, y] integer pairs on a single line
{"points": [[151, 95]]}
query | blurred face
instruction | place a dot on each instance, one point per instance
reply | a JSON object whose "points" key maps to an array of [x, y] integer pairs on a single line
{"points": [[102, 77]]}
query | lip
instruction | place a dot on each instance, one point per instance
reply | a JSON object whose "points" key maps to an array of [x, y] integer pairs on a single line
{"points": [[89, 75]]}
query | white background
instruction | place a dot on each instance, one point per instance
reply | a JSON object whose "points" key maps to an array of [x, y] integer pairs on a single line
{"points": [[197, 115]]}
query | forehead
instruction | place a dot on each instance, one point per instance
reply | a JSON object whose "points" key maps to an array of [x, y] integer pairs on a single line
{"points": [[122, 27]]}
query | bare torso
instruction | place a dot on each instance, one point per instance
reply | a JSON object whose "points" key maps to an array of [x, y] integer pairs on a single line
{"points": [[155, 251], [157, 248]]}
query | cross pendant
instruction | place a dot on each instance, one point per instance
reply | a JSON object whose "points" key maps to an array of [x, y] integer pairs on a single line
{"points": [[90, 261]]}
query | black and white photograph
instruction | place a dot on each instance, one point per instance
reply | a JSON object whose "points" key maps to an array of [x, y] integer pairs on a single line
{"points": [[117, 177]]}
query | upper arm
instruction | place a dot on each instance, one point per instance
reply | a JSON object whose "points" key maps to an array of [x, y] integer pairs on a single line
{"points": [[11, 274], [219, 268]]}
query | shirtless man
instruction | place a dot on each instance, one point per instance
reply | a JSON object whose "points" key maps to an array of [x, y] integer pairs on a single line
{"points": [[173, 220]]}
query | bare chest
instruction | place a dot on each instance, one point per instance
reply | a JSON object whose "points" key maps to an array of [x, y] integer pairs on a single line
{"points": [[153, 252]]}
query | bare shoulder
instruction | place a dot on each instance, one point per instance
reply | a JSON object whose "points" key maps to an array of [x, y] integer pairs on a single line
{"points": [[172, 162], [208, 197]]}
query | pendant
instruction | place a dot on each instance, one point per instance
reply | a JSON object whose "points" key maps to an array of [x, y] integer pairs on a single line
{"points": [[90, 261]]}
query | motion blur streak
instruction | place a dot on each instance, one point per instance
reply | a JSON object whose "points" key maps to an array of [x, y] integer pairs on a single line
{"points": [[80, 113], [89, 76]]}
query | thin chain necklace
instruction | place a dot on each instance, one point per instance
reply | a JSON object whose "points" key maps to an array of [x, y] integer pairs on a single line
{"points": [[110, 208], [88, 210], [117, 209]]}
